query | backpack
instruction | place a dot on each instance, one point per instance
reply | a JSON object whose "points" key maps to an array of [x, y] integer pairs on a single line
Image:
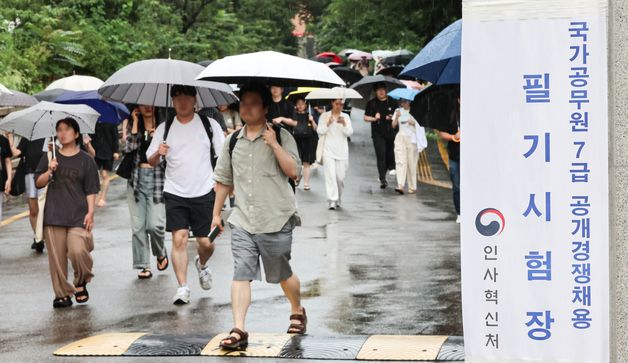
{"points": [[234, 140], [208, 129]]}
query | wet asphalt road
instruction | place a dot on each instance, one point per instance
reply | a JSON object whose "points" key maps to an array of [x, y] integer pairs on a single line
{"points": [[383, 264]]}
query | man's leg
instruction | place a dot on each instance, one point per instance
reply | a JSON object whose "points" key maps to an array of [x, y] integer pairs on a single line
{"points": [[105, 186], [390, 153], [180, 255], [454, 171], [240, 302], [292, 289], [205, 249], [380, 153]]}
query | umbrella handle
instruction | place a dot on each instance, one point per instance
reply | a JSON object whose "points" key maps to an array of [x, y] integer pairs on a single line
{"points": [[54, 149]]}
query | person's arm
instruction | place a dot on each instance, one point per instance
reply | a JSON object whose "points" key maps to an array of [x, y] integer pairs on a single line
{"points": [[116, 143], [314, 124], [446, 136], [45, 169], [223, 175], [157, 148], [89, 148], [347, 130], [15, 149], [222, 191], [395, 121], [286, 162], [370, 115], [323, 123], [8, 167], [88, 222]]}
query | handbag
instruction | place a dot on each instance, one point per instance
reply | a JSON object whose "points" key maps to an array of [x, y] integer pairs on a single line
{"points": [[18, 183], [320, 147], [126, 166]]}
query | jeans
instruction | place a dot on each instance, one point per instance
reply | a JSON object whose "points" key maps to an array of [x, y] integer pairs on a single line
{"points": [[148, 222], [454, 173]]}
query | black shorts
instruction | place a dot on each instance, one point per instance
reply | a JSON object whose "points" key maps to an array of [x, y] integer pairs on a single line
{"points": [[194, 214], [104, 164]]}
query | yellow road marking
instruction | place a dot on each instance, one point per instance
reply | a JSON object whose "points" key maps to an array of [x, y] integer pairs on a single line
{"points": [[104, 344], [401, 347]]}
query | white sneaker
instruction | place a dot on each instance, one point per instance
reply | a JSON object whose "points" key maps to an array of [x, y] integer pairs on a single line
{"points": [[204, 274], [392, 172], [332, 206], [182, 296], [458, 219]]}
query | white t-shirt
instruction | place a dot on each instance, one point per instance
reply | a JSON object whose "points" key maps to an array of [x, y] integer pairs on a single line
{"points": [[189, 172], [336, 145], [404, 124]]}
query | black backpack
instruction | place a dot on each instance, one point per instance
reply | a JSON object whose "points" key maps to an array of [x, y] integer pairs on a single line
{"points": [[208, 129], [234, 140]]}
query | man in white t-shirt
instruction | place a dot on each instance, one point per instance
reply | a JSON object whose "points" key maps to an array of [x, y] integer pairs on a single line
{"points": [[188, 148]]}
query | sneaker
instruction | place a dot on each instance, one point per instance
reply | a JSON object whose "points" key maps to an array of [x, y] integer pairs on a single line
{"points": [[332, 206], [204, 274], [392, 172], [458, 219], [383, 185], [182, 296]]}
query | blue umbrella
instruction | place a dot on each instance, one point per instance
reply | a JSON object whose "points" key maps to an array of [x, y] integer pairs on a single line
{"points": [[111, 112], [405, 93], [439, 61]]}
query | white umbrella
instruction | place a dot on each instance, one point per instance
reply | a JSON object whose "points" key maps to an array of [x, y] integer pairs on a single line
{"points": [[272, 68], [4, 90], [40, 121], [333, 94], [148, 82], [76, 83]]}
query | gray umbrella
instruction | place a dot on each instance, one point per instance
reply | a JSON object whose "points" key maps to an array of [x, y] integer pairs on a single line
{"points": [[50, 95], [16, 99], [366, 84], [148, 82]]}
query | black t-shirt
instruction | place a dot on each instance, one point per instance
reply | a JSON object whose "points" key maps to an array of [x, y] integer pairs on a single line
{"points": [[282, 108], [303, 128], [76, 177], [32, 151], [453, 148], [5, 152], [383, 127], [105, 140]]}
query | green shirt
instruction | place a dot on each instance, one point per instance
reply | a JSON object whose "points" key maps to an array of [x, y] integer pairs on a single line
{"points": [[266, 201]]}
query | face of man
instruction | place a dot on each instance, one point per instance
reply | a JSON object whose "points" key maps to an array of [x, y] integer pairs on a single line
{"points": [[184, 104], [66, 134], [276, 91], [381, 93], [252, 109]]}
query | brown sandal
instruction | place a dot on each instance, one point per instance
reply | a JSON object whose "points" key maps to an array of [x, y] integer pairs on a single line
{"points": [[301, 327], [234, 343]]}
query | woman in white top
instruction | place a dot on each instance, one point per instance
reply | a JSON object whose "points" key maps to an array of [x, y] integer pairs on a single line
{"points": [[335, 127], [406, 150]]}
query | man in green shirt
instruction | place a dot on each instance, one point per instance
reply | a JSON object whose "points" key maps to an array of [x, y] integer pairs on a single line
{"points": [[258, 166]]}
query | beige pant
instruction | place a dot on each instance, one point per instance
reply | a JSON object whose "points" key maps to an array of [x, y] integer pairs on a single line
{"points": [[335, 172], [406, 158], [65, 243]]}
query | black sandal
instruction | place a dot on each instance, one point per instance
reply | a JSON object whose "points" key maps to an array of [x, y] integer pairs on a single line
{"points": [[234, 343], [62, 302], [161, 260], [301, 327], [82, 294], [146, 276]]}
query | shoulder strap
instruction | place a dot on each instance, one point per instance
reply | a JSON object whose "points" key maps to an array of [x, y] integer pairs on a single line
{"points": [[210, 134], [233, 140]]}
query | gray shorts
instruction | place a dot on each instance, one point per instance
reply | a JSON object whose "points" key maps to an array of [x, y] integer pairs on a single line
{"points": [[274, 249]]}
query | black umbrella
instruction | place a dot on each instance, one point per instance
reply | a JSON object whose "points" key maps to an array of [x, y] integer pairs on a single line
{"points": [[350, 76], [433, 107], [392, 71], [366, 84], [205, 63], [398, 60]]}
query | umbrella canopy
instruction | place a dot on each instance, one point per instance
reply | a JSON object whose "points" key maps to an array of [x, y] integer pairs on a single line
{"points": [[391, 71], [348, 52], [439, 61], [4, 90], [110, 111], [399, 57], [271, 68], [360, 55], [331, 55], [365, 87], [433, 106], [301, 92], [205, 63], [39, 121], [16, 99], [50, 95], [333, 94], [148, 82], [350, 76], [403, 93], [76, 83]]}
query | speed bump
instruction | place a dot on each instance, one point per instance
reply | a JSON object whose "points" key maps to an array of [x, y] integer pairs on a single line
{"points": [[401, 347], [260, 345], [104, 345]]}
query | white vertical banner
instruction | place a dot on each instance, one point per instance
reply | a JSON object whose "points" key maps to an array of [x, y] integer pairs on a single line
{"points": [[534, 181]]}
